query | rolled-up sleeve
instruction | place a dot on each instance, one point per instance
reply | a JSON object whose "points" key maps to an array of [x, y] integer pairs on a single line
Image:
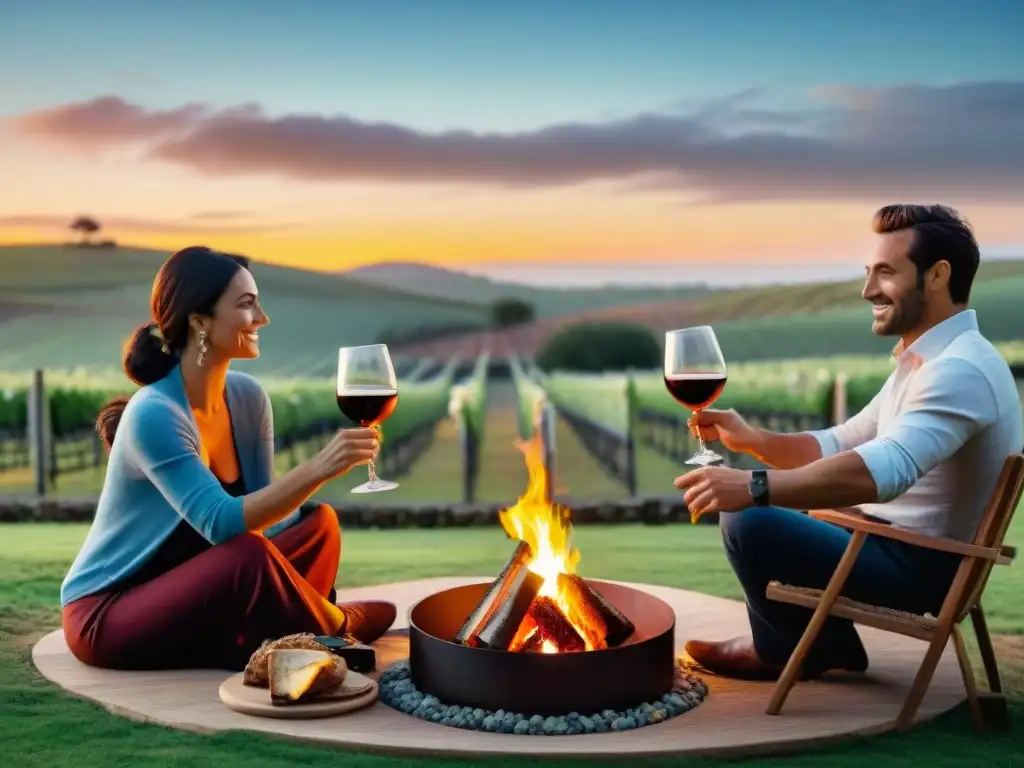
{"points": [[168, 455], [950, 401], [856, 430]]}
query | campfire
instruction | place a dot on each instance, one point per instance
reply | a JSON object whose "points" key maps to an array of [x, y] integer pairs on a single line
{"points": [[538, 604], [539, 649], [539, 639]]}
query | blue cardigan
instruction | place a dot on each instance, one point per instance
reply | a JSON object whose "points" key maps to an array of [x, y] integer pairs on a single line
{"points": [[155, 479]]}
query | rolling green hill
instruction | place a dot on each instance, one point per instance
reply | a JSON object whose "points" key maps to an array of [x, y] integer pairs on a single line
{"points": [[64, 307], [452, 284], [766, 322], [830, 318]]}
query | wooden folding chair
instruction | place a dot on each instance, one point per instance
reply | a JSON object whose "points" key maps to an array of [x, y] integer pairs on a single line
{"points": [[963, 599]]}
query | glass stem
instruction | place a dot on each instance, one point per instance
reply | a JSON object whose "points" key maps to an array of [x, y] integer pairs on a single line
{"points": [[372, 467], [700, 434]]}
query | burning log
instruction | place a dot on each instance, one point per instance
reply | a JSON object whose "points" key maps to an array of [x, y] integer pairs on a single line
{"points": [[534, 643], [496, 619], [503, 624], [603, 623], [527, 630], [553, 626]]}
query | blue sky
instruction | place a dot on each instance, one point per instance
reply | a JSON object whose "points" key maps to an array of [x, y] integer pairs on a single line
{"points": [[501, 65]]}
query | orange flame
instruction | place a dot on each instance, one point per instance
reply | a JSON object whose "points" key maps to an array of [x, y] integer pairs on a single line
{"points": [[541, 524], [545, 526]]}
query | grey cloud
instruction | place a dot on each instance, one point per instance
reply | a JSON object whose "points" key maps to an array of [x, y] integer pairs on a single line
{"points": [[105, 120], [959, 142]]}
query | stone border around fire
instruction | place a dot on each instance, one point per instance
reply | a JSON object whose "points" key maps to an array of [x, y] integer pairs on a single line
{"points": [[398, 692]]}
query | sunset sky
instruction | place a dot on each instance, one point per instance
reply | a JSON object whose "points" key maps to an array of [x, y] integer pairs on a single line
{"points": [[506, 136]]}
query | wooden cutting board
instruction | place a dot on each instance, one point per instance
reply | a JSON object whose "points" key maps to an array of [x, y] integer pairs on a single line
{"points": [[356, 692]]}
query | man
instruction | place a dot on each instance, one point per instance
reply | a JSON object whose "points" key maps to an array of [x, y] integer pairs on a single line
{"points": [[925, 455]]}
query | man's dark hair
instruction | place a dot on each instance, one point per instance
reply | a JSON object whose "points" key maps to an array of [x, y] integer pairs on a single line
{"points": [[940, 233]]}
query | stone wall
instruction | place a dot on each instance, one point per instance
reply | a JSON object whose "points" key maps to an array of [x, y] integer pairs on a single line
{"points": [[653, 511]]}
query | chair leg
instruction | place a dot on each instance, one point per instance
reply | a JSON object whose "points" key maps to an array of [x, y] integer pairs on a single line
{"points": [[923, 678], [828, 599], [968, 675], [988, 655]]}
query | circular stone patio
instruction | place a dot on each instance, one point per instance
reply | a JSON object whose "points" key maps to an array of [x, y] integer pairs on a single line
{"points": [[730, 722]]}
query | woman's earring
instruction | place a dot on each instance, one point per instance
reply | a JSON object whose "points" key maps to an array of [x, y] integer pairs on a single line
{"points": [[202, 349]]}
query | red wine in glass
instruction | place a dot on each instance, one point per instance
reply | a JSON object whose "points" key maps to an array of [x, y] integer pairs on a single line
{"points": [[367, 406], [696, 390], [367, 393], [695, 375]]}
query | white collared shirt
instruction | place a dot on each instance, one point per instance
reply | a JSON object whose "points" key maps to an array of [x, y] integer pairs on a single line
{"points": [[935, 437]]}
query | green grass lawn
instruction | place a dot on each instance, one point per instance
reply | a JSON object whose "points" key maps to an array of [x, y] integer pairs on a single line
{"points": [[40, 726]]}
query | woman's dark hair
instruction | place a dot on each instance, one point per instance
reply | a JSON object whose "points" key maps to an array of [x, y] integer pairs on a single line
{"points": [[191, 281]]}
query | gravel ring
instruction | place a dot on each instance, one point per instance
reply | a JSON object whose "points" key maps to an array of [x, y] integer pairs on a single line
{"points": [[398, 692]]}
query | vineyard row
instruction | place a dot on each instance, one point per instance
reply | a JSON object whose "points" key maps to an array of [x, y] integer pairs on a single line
{"points": [[611, 413]]}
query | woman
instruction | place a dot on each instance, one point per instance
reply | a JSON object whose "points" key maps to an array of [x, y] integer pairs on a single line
{"points": [[196, 554]]}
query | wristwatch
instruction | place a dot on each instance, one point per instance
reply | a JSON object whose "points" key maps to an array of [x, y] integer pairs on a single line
{"points": [[759, 487]]}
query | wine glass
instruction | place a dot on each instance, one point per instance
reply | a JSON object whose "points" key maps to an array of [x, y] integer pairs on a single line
{"points": [[695, 376], [367, 393]]}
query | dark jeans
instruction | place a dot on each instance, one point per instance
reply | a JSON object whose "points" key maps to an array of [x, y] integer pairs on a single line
{"points": [[766, 544]]}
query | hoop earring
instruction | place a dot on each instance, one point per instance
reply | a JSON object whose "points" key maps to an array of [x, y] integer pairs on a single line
{"points": [[202, 349]]}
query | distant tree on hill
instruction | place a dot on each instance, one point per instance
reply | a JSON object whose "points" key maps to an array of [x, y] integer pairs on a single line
{"points": [[87, 226], [506, 313], [592, 347]]}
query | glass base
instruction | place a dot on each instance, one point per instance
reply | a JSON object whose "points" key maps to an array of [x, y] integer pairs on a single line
{"points": [[373, 486], [705, 458]]}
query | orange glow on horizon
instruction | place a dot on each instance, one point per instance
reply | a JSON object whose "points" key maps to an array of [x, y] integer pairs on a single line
{"points": [[650, 234], [331, 227]]}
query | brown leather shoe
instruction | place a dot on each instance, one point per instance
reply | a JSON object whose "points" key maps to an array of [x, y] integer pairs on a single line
{"points": [[737, 658], [367, 620]]}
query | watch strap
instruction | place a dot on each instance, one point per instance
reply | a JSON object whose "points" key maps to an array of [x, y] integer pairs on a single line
{"points": [[759, 487]]}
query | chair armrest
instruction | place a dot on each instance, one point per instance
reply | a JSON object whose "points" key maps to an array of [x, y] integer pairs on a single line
{"points": [[888, 531]]}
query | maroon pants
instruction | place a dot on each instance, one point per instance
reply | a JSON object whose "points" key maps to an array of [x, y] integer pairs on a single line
{"points": [[211, 606]]}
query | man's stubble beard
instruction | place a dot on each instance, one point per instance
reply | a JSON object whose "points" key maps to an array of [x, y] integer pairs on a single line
{"points": [[907, 313]]}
